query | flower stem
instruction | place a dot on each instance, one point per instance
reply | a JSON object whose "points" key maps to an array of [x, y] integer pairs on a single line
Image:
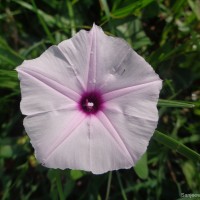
{"points": [[108, 185], [59, 185]]}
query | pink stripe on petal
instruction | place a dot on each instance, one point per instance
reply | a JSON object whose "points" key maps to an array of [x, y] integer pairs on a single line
{"points": [[105, 152], [51, 83], [92, 60], [108, 125], [76, 121], [115, 110], [123, 91]]}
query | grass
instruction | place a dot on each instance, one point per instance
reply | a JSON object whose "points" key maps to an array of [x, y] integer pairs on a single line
{"points": [[166, 33]]}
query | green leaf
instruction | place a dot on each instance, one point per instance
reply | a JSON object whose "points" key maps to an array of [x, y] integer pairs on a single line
{"points": [[43, 23], [59, 184], [176, 146], [6, 151], [172, 103], [178, 5], [141, 167], [191, 174], [76, 174], [71, 16], [47, 18], [129, 9], [105, 8], [28, 6], [8, 79], [195, 6], [8, 56]]}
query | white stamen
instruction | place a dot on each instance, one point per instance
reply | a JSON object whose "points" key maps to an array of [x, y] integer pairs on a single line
{"points": [[90, 104]]}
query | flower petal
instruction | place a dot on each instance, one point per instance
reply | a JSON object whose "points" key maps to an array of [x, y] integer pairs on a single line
{"points": [[40, 95], [134, 116], [139, 103], [77, 52], [136, 89], [91, 148], [49, 130], [107, 151], [117, 65], [55, 65], [92, 57], [73, 152]]}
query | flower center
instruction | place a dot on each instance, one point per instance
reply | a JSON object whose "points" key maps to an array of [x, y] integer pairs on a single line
{"points": [[90, 102]]}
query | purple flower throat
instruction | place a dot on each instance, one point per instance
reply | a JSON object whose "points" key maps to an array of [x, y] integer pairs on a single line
{"points": [[91, 102]]}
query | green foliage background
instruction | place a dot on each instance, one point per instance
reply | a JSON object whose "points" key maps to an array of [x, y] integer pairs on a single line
{"points": [[167, 34]]}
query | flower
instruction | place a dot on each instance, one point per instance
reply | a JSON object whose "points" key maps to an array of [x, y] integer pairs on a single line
{"points": [[90, 103]]}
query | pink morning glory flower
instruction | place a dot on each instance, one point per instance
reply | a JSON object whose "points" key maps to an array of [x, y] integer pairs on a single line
{"points": [[90, 103]]}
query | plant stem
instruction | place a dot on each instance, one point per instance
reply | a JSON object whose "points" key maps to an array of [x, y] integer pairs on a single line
{"points": [[59, 185], [71, 17], [121, 186], [108, 185]]}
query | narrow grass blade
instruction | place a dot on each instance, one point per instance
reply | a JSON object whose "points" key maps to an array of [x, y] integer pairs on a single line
{"points": [[121, 186], [71, 16], [125, 11], [8, 79], [108, 186], [50, 19], [59, 185], [7, 55], [105, 7], [172, 103], [176, 146], [45, 27]]}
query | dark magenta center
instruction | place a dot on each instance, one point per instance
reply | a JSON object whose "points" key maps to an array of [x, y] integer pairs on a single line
{"points": [[91, 102]]}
